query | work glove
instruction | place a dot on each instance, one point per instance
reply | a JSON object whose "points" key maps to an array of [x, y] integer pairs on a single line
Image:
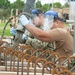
{"points": [[13, 31], [24, 37], [23, 19]]}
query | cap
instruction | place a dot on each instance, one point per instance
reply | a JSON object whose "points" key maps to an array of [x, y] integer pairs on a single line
{"points": [[55, 14], [36, 12]]}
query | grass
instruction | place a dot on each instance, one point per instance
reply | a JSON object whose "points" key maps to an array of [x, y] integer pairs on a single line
{"points": [[7, 30]]}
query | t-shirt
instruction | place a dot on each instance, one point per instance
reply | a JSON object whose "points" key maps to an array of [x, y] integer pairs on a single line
{"points": [[63, 40]]}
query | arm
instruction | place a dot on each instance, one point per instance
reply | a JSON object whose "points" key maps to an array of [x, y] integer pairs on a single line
{"points": [[38, 33], [36, 44]]}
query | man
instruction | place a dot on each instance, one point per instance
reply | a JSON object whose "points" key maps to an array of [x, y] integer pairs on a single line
{"points": [[37, 17], [58, 33], [27, 38]]}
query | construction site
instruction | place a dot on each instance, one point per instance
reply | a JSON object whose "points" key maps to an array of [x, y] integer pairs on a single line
{"points": [[23, 59]]}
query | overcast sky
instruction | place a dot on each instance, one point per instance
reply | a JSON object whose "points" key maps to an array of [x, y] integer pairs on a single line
{"points": [[45, 1]]}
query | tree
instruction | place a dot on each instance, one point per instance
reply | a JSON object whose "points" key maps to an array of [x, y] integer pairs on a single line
{"points": [[4, 7], [57, 5], [4, 4], [67, 3], [38, 4], [19, 4], [46, 7]]}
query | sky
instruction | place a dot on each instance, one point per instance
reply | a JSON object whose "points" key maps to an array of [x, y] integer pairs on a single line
{"points": [[45, 1]]}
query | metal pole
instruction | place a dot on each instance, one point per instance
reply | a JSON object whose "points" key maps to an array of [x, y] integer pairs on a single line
{"points": [[72, 17], [52, 4], [74, 39]]}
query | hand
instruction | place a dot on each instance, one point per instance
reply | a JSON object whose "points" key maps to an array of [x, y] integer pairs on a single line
{"points": [[24, 37], [13, 31], [23, 20]]}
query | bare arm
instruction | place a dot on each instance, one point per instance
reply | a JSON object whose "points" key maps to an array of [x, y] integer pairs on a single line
{"points": [[38, 33]]}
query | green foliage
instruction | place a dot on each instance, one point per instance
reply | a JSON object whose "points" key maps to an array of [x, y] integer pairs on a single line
{"points": [[66, 5], [38, 4], [57, 5], [4, 14], [46, 7], [18, 5], [6, 7], [4, 4]]}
